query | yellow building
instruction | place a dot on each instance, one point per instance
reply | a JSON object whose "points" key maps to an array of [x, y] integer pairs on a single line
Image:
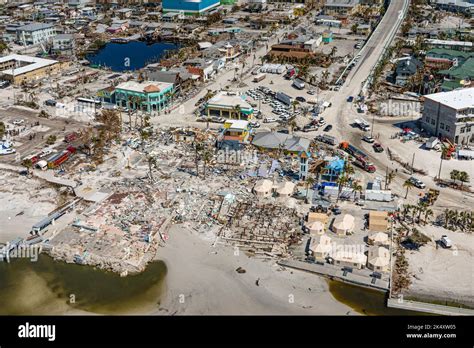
{"points": [[229, 105], [20, 69]]}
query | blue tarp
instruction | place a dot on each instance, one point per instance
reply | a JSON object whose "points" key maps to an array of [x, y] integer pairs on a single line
{"points": [[337, 165]]}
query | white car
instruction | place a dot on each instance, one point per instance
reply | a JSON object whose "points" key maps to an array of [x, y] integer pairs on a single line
{"points": [[18, 122], [417, 182], [45, 152], [269, 119], [445, 242], [368, 138]]}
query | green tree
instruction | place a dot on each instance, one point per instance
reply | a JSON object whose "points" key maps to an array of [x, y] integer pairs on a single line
{"points": [[454, 175], [463, 177], [408, 185]]}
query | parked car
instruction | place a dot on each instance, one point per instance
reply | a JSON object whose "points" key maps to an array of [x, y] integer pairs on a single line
{"points": [[269, 119], [311, 92], [301, 99], [377, 147], [327, 128], [18, 122], [350, 99], [445, 242], [417, 182], [50, 102], [368, 139]]}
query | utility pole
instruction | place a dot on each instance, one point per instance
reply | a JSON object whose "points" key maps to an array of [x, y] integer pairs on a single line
{"points": [[372, 128]]}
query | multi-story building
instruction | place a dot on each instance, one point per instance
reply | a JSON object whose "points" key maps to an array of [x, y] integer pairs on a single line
{"points": [[190, 7], [35, 33], [460, 6], [149, 96], [63, 44], [340, 7], [450, 115], [20, 69]]}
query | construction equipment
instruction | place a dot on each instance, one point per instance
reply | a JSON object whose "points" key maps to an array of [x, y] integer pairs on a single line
{"points": [[448, 149], [431, 196]]}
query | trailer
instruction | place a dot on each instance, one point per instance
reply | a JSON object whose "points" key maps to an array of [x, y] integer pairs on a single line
{"points": [[326, 139], [259, 77], [60, 157], [284, 98]]}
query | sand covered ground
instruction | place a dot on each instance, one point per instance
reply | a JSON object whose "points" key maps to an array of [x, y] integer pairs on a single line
{"points": [[202, 279], [22, 204], [443, 274]]}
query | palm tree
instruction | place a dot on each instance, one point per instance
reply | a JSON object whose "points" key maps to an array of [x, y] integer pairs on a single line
{"points": [[389, 179], [357, 188], [422, 207], [198, 147], [406, 210], [295, 103], [446, 217], [333, 52], [463, 177], [454, 175], [151, 163], [341, 181], [408, 185], [428, 213], [292, 124], [236, 110], [206, 157], [310, 181], [348, 169]]}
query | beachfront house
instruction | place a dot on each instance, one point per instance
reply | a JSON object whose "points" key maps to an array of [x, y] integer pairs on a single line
{"points": [[345, 226], [378, 259], [320, 247]]}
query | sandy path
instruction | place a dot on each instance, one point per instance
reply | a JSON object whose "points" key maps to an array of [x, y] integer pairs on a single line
{"points": [[202, 279]]}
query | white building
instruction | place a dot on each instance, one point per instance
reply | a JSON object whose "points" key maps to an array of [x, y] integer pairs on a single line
{"points": [[35, 33], [450, 115]]}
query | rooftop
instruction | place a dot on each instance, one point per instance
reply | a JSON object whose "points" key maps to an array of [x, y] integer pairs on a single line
{"points": [[458, 99], [144, 87], [28, 64]]}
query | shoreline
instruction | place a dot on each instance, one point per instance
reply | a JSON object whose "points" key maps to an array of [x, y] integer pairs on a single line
{"points": [[202, 279]]}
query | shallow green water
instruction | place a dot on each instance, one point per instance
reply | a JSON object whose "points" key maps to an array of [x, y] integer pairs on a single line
{"points": [[363, 300], [49, 287]]}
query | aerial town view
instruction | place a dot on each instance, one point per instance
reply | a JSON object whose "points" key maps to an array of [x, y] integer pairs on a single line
{"points": [[237, 157]]}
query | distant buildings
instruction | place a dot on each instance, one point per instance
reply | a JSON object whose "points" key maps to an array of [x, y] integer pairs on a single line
{"points": [[344, 7], [450, 115], [190, 7], [460, 6]]}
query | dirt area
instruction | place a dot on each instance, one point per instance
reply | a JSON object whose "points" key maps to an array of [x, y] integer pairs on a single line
{"points": [[23, 202], [440, 274]]}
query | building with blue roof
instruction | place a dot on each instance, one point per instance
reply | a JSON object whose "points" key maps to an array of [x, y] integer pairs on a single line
{"points": [[190, 7]]}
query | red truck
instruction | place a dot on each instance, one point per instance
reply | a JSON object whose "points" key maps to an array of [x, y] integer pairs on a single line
{"points": [[364, 164], [70, 137], [361, 159]]}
